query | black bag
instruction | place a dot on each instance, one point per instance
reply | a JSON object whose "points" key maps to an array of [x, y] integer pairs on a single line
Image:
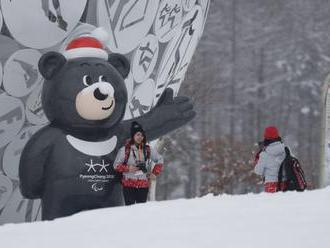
{"points": [[293, 171]]}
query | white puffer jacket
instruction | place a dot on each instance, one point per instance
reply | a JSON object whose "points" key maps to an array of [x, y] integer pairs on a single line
{"points": [[270, 161]]}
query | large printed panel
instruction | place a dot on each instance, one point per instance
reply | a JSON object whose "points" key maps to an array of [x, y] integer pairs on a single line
{"points": [[159, 38]]}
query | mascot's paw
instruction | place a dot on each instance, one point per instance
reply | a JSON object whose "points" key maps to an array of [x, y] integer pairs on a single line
{"points": [[178, 110]]}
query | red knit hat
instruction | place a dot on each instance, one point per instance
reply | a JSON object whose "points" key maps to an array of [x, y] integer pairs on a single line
{"points": [[271, 133], [88, 46]]}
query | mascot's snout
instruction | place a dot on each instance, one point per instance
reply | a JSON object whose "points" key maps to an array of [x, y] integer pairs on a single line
{"points": [[96, 102]]}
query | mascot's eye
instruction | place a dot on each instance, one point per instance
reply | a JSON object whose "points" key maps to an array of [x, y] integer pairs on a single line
{"points": [[102, 78], [87, 80]]}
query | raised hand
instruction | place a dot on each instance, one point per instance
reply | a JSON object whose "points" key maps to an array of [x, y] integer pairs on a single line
{"points": [[169, 114], [174, 109]]}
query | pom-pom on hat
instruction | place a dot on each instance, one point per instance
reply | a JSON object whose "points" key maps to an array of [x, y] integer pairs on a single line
{"points": [[88, 46], [271, 133]]}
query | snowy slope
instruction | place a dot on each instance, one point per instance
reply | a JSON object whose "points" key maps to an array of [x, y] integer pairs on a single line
{"points": [[264, 220]]}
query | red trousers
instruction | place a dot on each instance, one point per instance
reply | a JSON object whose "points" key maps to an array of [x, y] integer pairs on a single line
{"points": [[272, 187]]}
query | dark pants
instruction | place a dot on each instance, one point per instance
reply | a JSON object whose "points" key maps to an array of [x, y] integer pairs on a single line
{"points": [[135, 195]]}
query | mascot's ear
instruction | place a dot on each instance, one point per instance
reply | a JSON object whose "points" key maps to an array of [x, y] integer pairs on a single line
{"points": [[50, 63], [120, 63]]}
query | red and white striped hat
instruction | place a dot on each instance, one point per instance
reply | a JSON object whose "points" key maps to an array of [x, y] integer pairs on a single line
{"points": [[88, 46]]}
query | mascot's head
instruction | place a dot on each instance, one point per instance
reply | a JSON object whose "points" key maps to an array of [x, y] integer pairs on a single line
{"points": [[84, 86]]}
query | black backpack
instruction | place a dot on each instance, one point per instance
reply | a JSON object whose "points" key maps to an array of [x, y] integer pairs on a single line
{"points": [[293, 171]]}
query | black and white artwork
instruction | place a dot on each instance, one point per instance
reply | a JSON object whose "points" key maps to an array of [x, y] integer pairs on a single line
{"points": [[158, 37], [145, 58], [168, 19], [127, 21], [45, 22], [20, 73]]}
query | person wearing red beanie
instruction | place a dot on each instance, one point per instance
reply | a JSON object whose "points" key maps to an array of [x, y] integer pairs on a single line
{"points": [[269, 160], [271, 133]]}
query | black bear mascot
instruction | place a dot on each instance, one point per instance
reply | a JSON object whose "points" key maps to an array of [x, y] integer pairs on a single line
{"points": [[69, 163]]}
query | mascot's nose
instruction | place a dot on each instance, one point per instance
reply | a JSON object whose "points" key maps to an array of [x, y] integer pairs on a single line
{"points": [[99, 95], [102, 91]]}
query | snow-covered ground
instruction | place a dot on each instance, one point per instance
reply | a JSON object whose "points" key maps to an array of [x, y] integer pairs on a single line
{"points": [[263, 220]]}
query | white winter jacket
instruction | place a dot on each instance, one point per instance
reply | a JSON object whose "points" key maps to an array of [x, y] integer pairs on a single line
{"points": [[155, 158], [270, 161]]}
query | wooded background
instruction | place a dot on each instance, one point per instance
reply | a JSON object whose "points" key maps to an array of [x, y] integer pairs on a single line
{"points": [[259, 63]]}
